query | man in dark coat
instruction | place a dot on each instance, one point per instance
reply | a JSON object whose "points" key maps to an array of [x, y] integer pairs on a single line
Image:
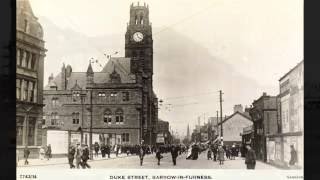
{"points": [[195, 152], [214, 150], [26, 153], [158, 155], [174, 154], [108, 150], [48, 152], [85, 157], [96, 149], [141, 154], [250, 158], [294, 157], [103, 150], [71, 153]]}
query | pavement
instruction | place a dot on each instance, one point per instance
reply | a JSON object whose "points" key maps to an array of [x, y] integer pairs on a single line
{"points": [[150, 162]]}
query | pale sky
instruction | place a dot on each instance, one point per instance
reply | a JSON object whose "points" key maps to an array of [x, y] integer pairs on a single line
{"points": [[263, 36]]}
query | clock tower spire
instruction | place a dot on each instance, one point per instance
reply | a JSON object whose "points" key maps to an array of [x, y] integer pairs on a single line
{"points": [[138, 40]]}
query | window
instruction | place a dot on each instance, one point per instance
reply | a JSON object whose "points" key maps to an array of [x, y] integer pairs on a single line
{"points": [[113, 96], [101, 94], [119, 116], [107, 117], [25, 90], [54, 101], [125, 96], [18, 88], [31, 131], [134, 54], [18, 57], [25, 25], [75, 93], [26, 65], [54, 118], [125, 137], [31, 91], [33, 61], [75, 118]]}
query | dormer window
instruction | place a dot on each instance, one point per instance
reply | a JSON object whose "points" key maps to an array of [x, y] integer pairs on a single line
{"points": [[75, 93]]}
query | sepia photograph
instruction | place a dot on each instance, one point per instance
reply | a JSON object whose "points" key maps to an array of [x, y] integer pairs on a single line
{"points": [[170, 84]]}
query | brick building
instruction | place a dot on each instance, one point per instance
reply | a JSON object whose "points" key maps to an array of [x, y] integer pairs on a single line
{"points": [[119, 100], [264, 115], [29, 79]]}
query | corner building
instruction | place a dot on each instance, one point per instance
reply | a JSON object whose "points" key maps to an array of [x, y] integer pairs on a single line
{"points": [[119, 100], [29, 79]]}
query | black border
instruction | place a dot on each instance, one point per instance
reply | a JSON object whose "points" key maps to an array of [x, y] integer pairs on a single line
{"points": [[8, 73], [7, 89], [312, 90]]}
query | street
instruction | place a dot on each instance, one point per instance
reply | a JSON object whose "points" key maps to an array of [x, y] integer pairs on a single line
{"points": [[150, 162]]}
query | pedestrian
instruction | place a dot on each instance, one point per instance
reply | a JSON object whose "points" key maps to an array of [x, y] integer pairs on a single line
{"points": [[158, 155], [85, 157], [227, 150], [26, 153], [103, 150], [214, 152], [48, 152], [78, 156], [209, 153], [71, 154], [250, 158], [108, 150], [294, 157], [221, 155], [96, 149], [41, 153], [174, 154], [141, 154]]}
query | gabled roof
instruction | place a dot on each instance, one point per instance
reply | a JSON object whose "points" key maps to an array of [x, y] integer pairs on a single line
{"points": [[237, 112], [120, 64]]}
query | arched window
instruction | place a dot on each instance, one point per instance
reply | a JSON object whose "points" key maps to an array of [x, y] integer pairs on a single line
{"points": [[136, 19], [141, 18], [119, 116], [107, 117]]}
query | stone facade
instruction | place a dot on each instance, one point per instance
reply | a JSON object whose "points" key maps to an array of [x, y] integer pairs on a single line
{"points": [[264, 115], [117, 103], [29, 79]]}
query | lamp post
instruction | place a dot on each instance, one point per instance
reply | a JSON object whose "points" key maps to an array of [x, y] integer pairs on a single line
{"points": [[90, 133]]}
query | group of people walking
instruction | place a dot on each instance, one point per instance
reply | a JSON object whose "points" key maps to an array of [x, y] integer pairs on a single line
{"points": [[81, 154]]}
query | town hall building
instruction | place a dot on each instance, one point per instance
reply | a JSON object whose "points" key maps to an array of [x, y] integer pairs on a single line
{"points": [[118, 104]]}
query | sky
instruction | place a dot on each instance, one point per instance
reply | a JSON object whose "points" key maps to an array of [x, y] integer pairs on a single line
{"points": [[263, 37]]}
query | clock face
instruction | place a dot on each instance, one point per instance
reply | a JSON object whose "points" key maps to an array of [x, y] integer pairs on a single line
{"points": [[137, 37]]}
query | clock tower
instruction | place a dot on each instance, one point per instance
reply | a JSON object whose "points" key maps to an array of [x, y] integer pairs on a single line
{"points": [[138, 40]]}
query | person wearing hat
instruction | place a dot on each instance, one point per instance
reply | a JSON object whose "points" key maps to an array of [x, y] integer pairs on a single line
{"points": [[293, 158], [174, 154], [221, 154], [85, 157], [250, 158], [71, 153], [78, 156], [26, 153]]}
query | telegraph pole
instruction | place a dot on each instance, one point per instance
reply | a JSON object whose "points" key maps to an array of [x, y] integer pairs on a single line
{"points": [[221, 113], [217, 123]]}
